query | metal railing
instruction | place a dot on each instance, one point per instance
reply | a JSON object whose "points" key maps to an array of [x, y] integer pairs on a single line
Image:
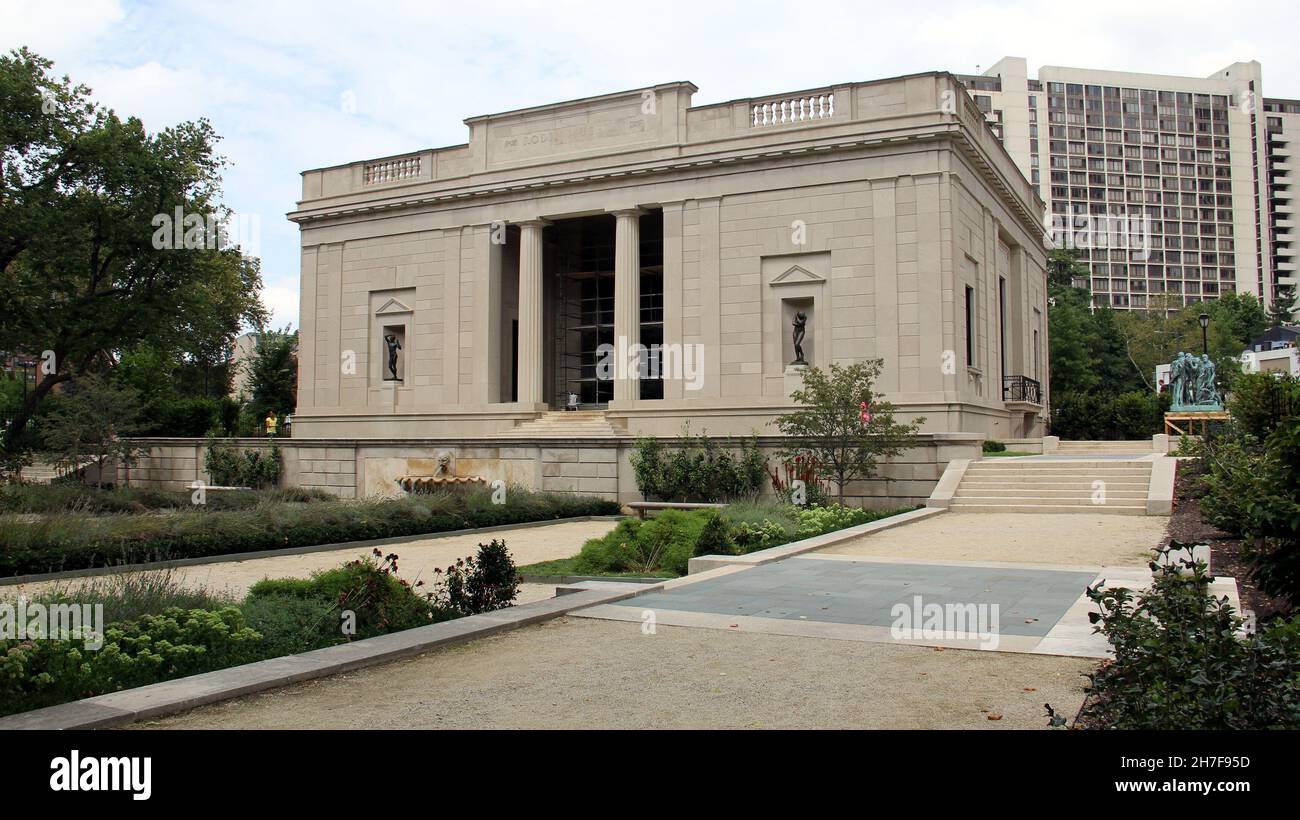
{"points": [[1022, 388]]}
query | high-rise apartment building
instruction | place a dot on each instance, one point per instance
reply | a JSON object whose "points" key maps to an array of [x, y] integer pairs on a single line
{"points": [[1176, 186]]}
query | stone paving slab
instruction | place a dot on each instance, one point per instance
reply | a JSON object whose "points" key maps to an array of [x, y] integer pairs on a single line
{"points": [[864, 593]]}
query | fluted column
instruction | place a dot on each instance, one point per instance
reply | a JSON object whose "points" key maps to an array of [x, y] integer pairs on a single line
{"points": [[627, 302], [530, 312]]}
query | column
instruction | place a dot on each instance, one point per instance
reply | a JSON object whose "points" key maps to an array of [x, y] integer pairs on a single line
{"points": [[530, 312], [627, 299], [488, 244]]}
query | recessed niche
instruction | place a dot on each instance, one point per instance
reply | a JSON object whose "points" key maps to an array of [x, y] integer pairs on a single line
{"points": [[791, 308], [392, 347]]}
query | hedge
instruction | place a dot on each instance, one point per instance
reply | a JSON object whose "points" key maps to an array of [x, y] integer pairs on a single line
{"points": [[73, 541]]}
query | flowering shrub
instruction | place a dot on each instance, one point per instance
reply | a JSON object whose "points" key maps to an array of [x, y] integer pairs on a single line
{"points": [[153, 648], [482, 583], [820, 520], [799, 468]]}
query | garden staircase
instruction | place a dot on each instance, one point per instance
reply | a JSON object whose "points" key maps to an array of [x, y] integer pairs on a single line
{"points": [[1115, 487], [567, 424]]}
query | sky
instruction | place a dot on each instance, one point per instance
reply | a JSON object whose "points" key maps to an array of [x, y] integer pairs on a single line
{"points": [[297, 85]]}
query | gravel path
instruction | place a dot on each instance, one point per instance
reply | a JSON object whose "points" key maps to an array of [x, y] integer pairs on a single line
{"points": [[1031, 538], [578, 673]]}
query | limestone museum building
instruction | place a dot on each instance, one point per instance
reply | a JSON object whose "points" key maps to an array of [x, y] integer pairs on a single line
{"points": [[577, 274]]}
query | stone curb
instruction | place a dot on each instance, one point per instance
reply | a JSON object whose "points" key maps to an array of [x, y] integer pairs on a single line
{"points": [[183, 694], [528, 578], [753, 559], [1160, 491], [14, 580]]}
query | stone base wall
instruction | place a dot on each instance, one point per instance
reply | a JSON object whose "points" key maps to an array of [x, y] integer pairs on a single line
{"points": [[601, 467]]}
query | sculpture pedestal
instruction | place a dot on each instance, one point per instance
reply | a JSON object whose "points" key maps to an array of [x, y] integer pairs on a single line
{"points": [[794, 377]]}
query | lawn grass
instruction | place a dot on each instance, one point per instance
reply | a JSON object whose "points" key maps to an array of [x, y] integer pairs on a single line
{"points": [[1006, 453], [562, 567], [661, 547]]}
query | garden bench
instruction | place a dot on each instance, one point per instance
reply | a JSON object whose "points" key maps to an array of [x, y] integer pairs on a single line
{"points": [[643, 507]]}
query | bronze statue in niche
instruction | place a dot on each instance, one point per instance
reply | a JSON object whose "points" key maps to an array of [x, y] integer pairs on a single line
{"points": [[800, 328], [393, 344]]}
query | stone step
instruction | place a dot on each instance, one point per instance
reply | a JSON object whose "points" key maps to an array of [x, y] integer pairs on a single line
{"points": [[1043, 492], [1095, 509], [1030, 486], [1046, 475], [566, 424]]}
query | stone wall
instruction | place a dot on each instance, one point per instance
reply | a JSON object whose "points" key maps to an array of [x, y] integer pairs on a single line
{"points": [[601, 467]]}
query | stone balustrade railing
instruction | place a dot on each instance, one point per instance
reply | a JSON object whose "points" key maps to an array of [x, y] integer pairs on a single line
{"points": [[796, 109], [391, 170]]}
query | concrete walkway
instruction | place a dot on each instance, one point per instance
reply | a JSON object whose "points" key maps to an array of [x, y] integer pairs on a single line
{"points": [[1041, 538]]}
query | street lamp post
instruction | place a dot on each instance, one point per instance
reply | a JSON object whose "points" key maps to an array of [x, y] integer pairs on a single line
{"points": [[1204, 319]]}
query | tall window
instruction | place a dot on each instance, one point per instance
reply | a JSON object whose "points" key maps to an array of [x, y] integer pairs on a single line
{"points": [[970, 326], [1002, 324], [1038, 323]]}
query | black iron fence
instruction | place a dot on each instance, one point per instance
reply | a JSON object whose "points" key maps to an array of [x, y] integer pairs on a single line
{"points": [[1022, 388]]}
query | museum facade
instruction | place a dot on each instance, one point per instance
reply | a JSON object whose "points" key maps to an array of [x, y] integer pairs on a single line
{"points": [[648, 263]]}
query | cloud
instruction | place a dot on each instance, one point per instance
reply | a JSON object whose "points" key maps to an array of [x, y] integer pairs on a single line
{"points": [[271, 76]]}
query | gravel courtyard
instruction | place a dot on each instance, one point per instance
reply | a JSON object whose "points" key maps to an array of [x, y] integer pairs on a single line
{"points": [[575, 673]]}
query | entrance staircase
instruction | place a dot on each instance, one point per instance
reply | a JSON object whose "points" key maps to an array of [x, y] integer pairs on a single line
{"points": [[567, 424], [1066, 486], [1103, 448]]}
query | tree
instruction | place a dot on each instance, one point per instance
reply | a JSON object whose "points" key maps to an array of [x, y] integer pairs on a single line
{"points": [[1282, 308], [85, 269], [1064, 268], [95, 419], [829, 427], [1157, 335], [273, 374], [1241, 314]]}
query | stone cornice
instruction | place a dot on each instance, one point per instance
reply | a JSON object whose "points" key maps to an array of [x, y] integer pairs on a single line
{"points": [[948, 130]]}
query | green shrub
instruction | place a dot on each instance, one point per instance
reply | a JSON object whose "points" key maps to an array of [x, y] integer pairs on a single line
{"points": [[1234, 478], [715, 536], [256, 468], [991, 446], [66, 541], [698, 470], [664, 543], [1261, 401], [368, 587], [290, 624], [1136, 415], [77, 497], [1273, 545], [1179, 663], [482, 583], [153, 648]]}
